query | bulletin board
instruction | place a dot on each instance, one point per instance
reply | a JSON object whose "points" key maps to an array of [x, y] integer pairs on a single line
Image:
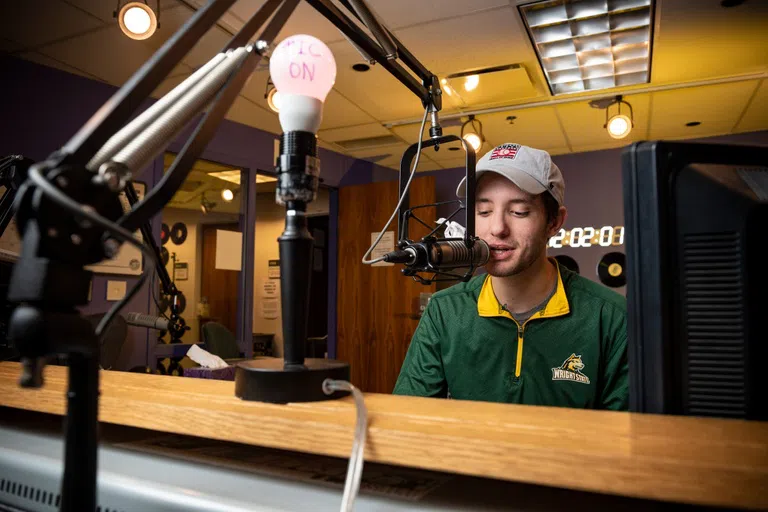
{"points": [[128, 260]]}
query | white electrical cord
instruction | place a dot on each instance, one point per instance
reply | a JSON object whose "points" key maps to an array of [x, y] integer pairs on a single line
{"points": [[402, 197], [355, 467]]}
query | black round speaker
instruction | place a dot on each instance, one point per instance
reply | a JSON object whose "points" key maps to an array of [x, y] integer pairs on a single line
{"points": [[611, 269], [164, 256]]}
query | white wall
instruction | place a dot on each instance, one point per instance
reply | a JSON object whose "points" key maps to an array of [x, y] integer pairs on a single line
{"points": [[270, 222]]}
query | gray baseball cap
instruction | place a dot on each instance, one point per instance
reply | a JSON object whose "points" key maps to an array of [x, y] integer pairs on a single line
{"points": [[530, 169]]}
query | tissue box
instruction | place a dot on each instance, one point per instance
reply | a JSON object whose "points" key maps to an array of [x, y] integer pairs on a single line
{"points": [[199, 372]]}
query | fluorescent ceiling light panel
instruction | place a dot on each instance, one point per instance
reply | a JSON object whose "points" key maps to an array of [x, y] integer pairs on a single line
{"points": [[586, 45], [234, 176]]}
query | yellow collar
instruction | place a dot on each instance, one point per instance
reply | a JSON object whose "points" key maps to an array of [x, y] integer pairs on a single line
{"points": [[488, 305]]}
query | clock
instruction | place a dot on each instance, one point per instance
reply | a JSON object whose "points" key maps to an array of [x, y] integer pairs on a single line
{"points": [[605, 236]]}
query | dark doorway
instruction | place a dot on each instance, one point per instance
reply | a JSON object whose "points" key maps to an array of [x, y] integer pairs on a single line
{"points": [[317, 326]]}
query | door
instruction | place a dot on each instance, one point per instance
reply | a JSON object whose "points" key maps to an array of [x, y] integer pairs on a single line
{"points": [[219, 286], [378, 307]]}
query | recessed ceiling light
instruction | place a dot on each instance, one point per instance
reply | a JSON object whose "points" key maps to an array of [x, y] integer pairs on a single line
{"points": [[693, 123], [361, 67], [453, 148], [137, 20], [591, 45]]}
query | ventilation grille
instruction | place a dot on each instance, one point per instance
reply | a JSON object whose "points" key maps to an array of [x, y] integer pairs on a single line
{"points": [[714, 323], [37, 495]]}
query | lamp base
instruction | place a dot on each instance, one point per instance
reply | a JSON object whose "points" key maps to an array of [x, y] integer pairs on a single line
{"points": [[269, 380]]}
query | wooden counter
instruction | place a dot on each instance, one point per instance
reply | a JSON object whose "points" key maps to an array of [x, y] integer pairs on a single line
{"points": [[692, 460]]}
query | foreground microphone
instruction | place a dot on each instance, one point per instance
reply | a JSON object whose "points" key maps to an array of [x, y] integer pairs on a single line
{"points": [[143, 320], [441, 255]]}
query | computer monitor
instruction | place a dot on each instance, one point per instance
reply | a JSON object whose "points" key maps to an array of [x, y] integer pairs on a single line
{"points": [[696, 218]]}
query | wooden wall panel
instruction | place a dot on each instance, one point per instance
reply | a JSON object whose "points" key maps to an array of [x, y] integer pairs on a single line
{"points": [[377, 307]]}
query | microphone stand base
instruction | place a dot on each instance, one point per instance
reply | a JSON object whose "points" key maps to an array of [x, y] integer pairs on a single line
{"points": [[271, 380]]}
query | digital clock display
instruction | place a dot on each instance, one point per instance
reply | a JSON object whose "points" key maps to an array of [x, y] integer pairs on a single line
{"points": [[605, 236]]}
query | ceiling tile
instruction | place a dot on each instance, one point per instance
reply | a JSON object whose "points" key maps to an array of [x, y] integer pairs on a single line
{"points": [[8, 46], [117, 57], [756, 116], [404, 13], [103, 9], [534, 127], [53, 63], [304, 20], [607, 144], [339, 111], [35, 22], [245, 112], [353, 132], [716, 107], [585, 125], [489, 38], [376, 153], [710, 40]]}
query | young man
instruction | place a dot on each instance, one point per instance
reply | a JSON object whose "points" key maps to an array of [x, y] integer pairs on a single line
{"points": [[531, 331]]}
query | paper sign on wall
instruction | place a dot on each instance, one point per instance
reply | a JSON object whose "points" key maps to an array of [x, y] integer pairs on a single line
{"points": [[181, 271], [270, 288], [269, 308], [273, 269], [386, 244], [229, 249]]}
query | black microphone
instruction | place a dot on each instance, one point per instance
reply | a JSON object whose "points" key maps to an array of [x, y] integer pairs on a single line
{"points": [[144, 320], [440, 255]]}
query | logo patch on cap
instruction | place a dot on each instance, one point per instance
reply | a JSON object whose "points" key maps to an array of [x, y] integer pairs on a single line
{"points": [[505, 151]]}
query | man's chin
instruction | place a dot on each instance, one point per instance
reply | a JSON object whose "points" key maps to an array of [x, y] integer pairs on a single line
{"points": [[505, 269]]}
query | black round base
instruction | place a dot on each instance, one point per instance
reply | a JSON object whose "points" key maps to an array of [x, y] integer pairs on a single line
{"points": [[268, 380]]}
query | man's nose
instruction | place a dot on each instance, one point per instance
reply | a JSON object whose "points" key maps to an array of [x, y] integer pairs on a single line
{"points": [[499, 226]]}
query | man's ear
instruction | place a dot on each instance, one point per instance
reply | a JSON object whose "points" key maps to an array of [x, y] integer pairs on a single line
{"points": [[557, 222]]}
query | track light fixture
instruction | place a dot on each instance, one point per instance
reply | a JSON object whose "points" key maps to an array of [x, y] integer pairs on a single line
{"points": [[206, 205], [137, 20], [619, 125], [473, 134]]}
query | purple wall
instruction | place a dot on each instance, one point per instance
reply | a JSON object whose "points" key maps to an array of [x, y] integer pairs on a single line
{"points": [[43, 107]]}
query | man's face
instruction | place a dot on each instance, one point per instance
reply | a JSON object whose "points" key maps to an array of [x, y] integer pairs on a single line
{"points": [[512, 222]]}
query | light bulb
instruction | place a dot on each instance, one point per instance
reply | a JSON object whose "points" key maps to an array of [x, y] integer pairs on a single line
{"points": [[619, 126], [227, 195], [137, 20], [471, 82], [303, 70], [473, 140]]}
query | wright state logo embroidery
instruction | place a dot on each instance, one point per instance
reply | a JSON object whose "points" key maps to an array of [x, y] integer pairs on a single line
{"points": [[571, 370]]}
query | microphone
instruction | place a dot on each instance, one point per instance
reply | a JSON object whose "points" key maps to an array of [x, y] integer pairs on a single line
{"points": [[440, 255], [144, 320]]}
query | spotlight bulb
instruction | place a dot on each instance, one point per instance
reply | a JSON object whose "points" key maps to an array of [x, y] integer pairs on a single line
{"points": [[303, 70], [273, 100], [471, 82], [227, 195], [473, 140], [137, 20], [619, 126]]}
